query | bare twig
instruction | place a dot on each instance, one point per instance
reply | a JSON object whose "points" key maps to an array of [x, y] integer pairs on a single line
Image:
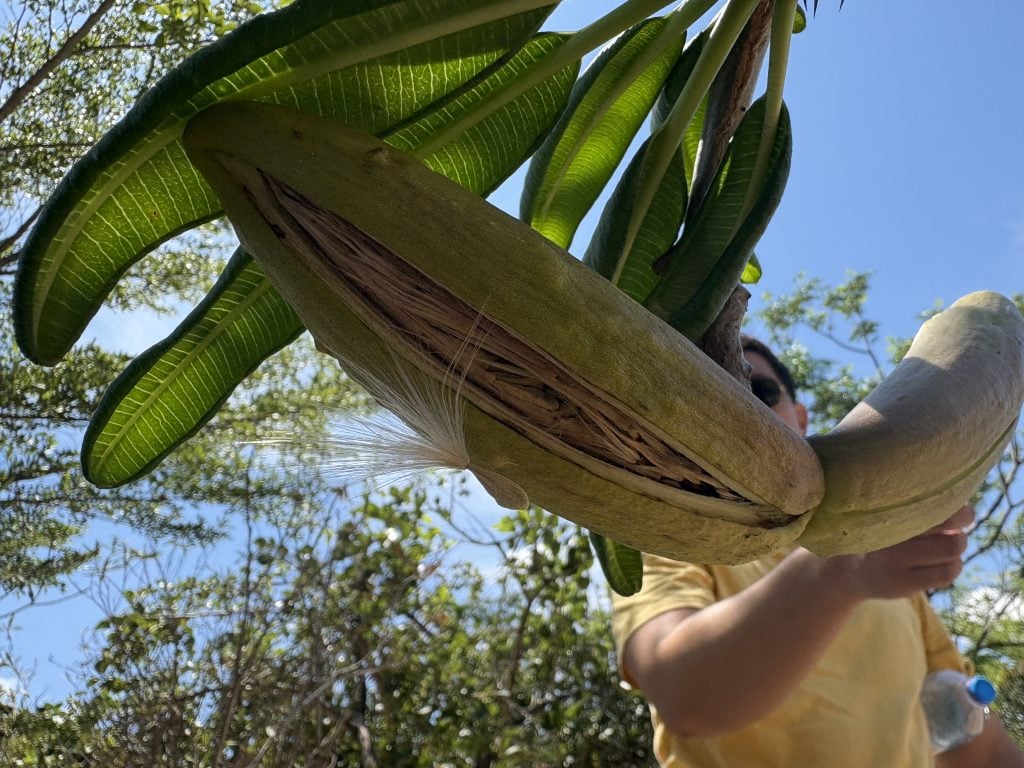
{"points": [[42, 603], [22, 92], [721, 342], [728, 99], [7, 243]]}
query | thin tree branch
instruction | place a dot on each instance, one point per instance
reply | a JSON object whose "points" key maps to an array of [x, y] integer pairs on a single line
{"points": [[22, 92], [42, 603], [729, 98], [9, 240]]}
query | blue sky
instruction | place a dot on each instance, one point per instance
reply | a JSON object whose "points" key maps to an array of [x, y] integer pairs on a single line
{"points": [[908, 162]]}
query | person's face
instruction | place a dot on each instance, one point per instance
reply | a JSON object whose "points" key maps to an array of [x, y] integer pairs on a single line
{"points": [[794, 414]]}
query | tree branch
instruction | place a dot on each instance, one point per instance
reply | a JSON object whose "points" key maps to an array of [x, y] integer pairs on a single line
{"points": [[22, 92], [728, 99], [9, 240], [721, 342]]}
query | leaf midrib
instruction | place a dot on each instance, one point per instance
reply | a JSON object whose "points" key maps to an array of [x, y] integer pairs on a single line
{"points": [[627, 78]]}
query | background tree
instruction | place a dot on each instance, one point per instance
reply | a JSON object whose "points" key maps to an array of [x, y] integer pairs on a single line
{"points": [[353, 636]]}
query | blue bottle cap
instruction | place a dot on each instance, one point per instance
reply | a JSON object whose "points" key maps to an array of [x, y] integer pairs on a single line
{"points": [[981, 690]]}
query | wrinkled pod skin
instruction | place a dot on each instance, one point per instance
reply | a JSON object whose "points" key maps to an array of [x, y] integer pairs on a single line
{"points": [[915, 449], [573, 396]]}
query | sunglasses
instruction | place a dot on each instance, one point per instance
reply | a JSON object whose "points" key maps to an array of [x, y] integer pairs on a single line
{"points": [[768, 391]]}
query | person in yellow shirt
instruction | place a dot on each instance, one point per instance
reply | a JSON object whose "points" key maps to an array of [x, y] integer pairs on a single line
{"points": [[795, 660]]}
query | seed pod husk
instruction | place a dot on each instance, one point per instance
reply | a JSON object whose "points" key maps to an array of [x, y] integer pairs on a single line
{"points": [[574, 397], [914, 450]]}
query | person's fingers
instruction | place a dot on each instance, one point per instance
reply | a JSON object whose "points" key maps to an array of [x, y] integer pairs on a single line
{"points": [[936, 576], [934, 549]]}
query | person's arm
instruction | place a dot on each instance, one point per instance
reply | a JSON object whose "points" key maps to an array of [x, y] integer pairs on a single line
{"points": [[992, 748], [766, 639]]}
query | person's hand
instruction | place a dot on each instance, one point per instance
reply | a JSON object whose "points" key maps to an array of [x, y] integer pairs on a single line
{"points": [[928, 561]]}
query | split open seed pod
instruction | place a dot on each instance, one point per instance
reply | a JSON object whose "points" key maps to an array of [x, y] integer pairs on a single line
{"points": [[917, 447], [569, 395]]}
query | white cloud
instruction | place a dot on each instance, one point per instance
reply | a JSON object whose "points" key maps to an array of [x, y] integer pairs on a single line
{"points": [[987, 603], [10, 688]]}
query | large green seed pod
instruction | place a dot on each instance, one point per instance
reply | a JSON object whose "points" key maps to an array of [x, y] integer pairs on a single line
{"points": [[570, 394], [915, 449]]}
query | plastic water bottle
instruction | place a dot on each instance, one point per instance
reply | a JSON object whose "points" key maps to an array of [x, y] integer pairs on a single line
{"points": [[956, 707]]}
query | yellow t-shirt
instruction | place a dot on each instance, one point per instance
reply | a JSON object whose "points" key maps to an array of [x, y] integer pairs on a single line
{"points": [[858, 708]]}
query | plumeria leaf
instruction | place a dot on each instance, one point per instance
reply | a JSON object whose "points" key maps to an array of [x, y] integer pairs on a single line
{"points": [[670, 94], [800, 21], [608, 105], [706, 264], [167, 393], [369, 63], [489, 144], [622, 566], [752, 271], [630, 265]]}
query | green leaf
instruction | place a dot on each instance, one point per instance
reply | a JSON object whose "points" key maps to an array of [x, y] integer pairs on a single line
{"points": [[711, 256], [505, 525], [369, 63], [622, 567], [800, 21], [490, 144], [752, 271], [167, 393], [607, 107], [144, 416], [631, 266]]}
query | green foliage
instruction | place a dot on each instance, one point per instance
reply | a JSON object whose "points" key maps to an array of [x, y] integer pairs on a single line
{"points": [[371, 65], [449, 82], [836, 315], [607, 106], [66, 113], [621, 565], [169, 392], [704, 267], [353, 635], [1011, 704]]}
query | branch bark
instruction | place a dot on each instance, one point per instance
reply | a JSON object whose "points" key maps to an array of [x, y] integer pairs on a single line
{"points": [[7, 243], [721, 342], [728, 99]]}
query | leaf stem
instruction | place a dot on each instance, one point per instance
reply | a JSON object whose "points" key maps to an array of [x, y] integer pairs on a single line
{"points": [[783, 14], [575, 48]]}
